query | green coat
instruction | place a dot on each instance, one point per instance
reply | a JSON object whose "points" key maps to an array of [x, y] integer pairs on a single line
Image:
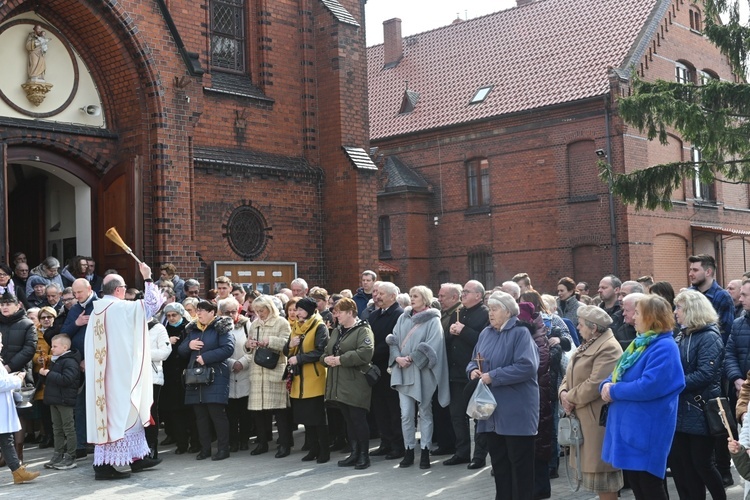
{"points": [[346, 383]]}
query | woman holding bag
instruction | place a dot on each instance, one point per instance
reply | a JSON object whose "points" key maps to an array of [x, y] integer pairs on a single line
{"points": [[347, 356], [592, 362], [268, 394]]}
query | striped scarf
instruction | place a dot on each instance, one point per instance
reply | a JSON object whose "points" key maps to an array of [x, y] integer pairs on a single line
{"points": [[633, 353]]}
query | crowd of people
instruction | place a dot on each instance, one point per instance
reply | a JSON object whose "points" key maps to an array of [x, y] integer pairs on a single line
{"points": [[635, 363]]}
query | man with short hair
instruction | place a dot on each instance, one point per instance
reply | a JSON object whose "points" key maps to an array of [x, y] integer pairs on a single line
{"points": [[646, 282], [737, 354], [702, 273], [733, 289], [192, 288], [92, 277], [118, 377], [223, 288], [449, 297], [626, 332], [299, 288], [583, 288], [385, 401], [512, 289], [75, 327], [523, 281], [20, 277], [68, 300], [626, 288], [473, 317], [169, 273], [53, 293], [609, 286], [364, 292]]}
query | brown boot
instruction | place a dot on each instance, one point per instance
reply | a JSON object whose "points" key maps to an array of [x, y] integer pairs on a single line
{"points": [[21, 475]]}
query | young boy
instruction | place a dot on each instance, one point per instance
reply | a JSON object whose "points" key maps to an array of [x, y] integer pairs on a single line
{"points": [[60, 392]]}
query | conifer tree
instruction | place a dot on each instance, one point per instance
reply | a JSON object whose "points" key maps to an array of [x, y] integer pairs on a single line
{"points": [[712, 115]]}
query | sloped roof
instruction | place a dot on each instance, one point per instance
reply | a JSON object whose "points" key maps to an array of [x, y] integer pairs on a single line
{"points": [[359, 157], [340, 12], [257, 161], [402, 178], [544, 53]]}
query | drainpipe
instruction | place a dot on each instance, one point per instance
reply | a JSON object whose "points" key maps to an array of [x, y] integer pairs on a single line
{"points": [[612, 224]]}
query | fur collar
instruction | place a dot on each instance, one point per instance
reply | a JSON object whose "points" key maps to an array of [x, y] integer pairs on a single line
{"points": [[422, 317], [222, 325]]}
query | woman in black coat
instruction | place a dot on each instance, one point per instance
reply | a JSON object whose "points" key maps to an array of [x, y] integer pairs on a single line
{"points": [[702, 356], [208, 343], [178, 423]]}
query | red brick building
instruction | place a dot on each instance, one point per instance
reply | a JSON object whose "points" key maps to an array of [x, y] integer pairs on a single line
{"points": [[489, 132], [215, 130]]}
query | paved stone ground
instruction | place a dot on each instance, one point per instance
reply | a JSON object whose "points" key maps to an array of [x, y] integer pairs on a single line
{"points": [[247, 477]]}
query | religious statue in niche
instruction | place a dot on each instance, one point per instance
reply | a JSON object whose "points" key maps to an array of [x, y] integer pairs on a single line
{"points": [[36, 87]]}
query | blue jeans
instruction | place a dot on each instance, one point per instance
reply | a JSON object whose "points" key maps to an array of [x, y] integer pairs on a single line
{"points": [[408, 413]]}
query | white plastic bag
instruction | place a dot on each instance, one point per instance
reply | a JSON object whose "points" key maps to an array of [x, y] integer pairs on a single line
{"points": [[482, 403]]}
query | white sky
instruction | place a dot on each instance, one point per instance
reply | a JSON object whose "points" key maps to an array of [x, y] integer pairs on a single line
{"points": [[423, 15]]}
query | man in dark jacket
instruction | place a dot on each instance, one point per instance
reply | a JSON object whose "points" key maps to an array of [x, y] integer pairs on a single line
{"points": [[62, 380], [364, 293], [462, 336], [75, 328], [385, 402], [449, 297], [68, 300], [737, 357]]}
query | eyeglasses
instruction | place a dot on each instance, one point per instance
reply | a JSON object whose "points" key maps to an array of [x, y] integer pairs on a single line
{"points": [[42, 318], [71, 299], [231, 312], [3, 275], [123, 286], [467, 292]]}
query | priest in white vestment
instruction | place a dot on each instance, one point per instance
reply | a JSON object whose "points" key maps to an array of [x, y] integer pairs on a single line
{"points": [[118, 377]]}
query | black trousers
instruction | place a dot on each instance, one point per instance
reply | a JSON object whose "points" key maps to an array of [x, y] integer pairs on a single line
{"points": [[216, 414], [152, 431], [513, 462], [442, 425], [387, 410], [239, 420], [692, 468], [180, 425], [460, 420], [646, 486], [283, 418], [356, 423]]}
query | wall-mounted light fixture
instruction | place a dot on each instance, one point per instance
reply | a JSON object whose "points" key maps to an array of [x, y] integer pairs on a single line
{"points": [[92, 110]]}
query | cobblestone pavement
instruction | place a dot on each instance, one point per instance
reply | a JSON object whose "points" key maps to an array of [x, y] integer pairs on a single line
{"points": [[247, 477]]}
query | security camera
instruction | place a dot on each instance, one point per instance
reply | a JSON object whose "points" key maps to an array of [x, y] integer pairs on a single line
{"points": [[92, 110], [600, 153]]}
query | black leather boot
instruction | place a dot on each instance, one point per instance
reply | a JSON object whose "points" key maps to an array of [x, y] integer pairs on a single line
{"points": [[324, 455], [424, 460], [351, 460], [408, 459], [363, 461]]}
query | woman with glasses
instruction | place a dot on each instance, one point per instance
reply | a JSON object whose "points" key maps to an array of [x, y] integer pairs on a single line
{"points": [[6, 283], [48, 271], [239, 381], [46, 316]]}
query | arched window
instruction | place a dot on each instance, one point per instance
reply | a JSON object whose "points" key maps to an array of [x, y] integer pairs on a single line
{"points": [[683, 73]]}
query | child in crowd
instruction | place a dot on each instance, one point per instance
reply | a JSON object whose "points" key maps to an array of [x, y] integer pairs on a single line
{"points": [[10, 424], [741, 456], [60, 393]]}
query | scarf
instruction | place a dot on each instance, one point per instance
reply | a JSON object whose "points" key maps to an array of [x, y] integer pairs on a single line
{"points": [[633, 353], [200, 326], [587, 344]]}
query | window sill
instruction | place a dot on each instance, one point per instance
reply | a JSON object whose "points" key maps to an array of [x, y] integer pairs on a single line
{"points": [[706, 204], [236, 86], [486, 209], [583, 198], [385, 256]]}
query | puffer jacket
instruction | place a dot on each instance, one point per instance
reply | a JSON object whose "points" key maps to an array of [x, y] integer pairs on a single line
{"points": [[737, 360], [218, 346], [161, 348], [63, 380], [19, 340], [346, 382], [702, 356]]}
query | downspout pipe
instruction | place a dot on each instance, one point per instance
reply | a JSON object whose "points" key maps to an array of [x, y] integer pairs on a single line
{"points": [[612, 224]]}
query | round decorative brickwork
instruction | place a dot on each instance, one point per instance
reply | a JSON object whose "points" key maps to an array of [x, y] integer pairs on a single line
{"points": [[246, 232]]}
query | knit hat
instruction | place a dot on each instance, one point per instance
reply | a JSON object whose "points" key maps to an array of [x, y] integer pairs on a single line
{"points": [[526, 312], [37, 280], [308, 305], [174, 307], [594, 314]]}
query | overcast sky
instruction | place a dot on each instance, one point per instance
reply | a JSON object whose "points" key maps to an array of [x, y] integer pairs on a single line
{"points": [[423, 15]]}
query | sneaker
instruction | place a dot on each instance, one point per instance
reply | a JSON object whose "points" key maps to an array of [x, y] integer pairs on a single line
{"points": [[56, 459], [68, 462]]}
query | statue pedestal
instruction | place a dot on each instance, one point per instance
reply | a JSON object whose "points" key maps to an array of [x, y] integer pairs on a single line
{"points": [[36, 91]]}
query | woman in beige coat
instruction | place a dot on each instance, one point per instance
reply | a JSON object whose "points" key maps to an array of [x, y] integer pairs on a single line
{"points": [[268, 394], [579, 392]]}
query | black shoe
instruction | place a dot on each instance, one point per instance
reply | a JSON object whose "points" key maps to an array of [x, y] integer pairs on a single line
{"points": [[456, 460], [46, 442], [443, 451], [260, 449], [195, 448], [144, 463], [167, 441], [338, 444], [727, 479], [203, 455], [324, 456], [220, 455], [180, 451], [395, 454], [408, 460], [424, 459], [553, 474], [244, 446], [311, 455], [476, 464], [107, 472], [234, 447], [282, 451], [363, 459], [81, 454], [381, 451], [351, 460]]}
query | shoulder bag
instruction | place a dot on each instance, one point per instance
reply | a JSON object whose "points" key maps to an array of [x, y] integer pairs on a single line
{"points": [[265, 357], [197, 375], [720, 418], [569, 435]]}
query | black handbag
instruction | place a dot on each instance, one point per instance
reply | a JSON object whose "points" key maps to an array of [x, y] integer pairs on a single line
{"points": [[372, 375], [713, 417], [265, 357], [197, 375]]}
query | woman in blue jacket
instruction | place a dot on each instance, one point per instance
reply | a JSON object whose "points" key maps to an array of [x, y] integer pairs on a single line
{"points": [[642, 393], [208, 343], [702, 355]]}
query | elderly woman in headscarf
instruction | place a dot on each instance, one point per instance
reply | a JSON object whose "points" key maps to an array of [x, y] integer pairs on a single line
{"points": [[592, 362], [509, 364], [48, 271], [418, 365], [179, 424]]}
